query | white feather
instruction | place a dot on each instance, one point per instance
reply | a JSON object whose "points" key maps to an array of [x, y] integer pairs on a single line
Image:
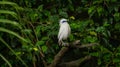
{"points": [[64, 31]]}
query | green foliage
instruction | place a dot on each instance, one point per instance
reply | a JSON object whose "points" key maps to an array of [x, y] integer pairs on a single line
{"points": [[5, 60], [13, 33], [9, 22], [9, 12], [28, 27]]}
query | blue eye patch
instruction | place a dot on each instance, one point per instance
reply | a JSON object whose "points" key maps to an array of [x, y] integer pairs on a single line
{"points": [[64, 21]]}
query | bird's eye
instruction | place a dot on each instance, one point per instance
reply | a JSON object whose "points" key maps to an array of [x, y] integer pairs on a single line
{"points": [[64, 21]]}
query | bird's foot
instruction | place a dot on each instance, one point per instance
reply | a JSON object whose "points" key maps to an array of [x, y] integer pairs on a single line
{"points": [[65, 44]]}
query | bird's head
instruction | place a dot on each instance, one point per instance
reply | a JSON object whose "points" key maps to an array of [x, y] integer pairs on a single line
{"points": [[63, 21]]}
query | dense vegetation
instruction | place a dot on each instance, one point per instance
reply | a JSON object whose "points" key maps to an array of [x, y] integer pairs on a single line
{"points": [[29, 28]]}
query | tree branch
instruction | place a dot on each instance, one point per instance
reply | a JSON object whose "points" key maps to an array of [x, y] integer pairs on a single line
{"points": [[75, 63], [60, 54], [84, 45], [63, 50]]}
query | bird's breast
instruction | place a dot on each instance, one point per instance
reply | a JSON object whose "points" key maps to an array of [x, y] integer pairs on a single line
{"points": [[65, 30]]}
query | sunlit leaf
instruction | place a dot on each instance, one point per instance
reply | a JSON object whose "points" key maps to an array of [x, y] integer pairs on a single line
{"points": [[9, 3], [93, 33], [72, 17], [12, 13], [9, 22], [35, 49]]}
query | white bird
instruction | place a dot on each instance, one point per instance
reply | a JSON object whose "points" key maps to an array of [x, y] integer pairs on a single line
{"points": [[64, 31]]}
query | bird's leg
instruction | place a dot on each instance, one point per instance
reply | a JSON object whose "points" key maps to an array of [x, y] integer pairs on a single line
{"points": [[64, 44], [60, 42]]}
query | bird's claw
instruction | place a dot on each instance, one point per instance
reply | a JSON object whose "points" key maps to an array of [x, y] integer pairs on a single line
{"points": [[64, 44]]}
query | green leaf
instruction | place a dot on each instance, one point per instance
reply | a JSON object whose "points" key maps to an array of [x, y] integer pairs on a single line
{"points": [[116, 60], [49, 60], [71, 37], [97, 1], [7, 45], [40, 8], [11, 4], [106, 24], [38, 32], [8, 3], [71, 7], [13, 33], [35, 49], [9, 22], [47, 13], [27, 31], [5, 60], [100, 11], [12, 13], [91, 10], [39, 43], [91, 39], [81, 25], [93, 33], [117, 16], [54, 18], [44, 38], [44, 48], [63, 14], [117, 26], [100, 29], [94, 54], [99, 61]]}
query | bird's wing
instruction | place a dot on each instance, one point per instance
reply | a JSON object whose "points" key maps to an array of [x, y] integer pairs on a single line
{"points": [[64, 31], [61, 30]]}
